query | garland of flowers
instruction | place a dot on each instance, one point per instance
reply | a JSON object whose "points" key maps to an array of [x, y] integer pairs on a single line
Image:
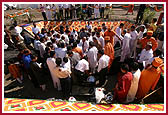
{"points": [[18, 13]]}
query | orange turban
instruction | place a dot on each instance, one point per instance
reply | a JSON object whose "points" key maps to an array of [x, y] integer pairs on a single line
{"points": [[150, 33], [107, 38], [157, 62]]}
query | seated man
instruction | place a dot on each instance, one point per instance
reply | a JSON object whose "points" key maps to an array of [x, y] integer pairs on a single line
{"points": [[145, 55], [82, 70]]}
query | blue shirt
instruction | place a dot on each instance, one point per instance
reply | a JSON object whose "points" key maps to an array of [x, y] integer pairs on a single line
{"points": [[26, 61]]}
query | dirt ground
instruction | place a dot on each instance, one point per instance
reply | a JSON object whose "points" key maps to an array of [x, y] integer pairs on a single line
{"points": [[12, 89]]}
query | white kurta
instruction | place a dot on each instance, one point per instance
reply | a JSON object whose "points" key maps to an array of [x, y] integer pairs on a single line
{"points": [[92, 58], [101, 39], [52, 65], [133, 42], [48, 12], [42, 49], [125, 47], [134, 86], [145, 56], [103, 62], [118, 31]]}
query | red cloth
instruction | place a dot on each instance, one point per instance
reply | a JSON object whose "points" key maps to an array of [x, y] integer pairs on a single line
{"points": [[124, 83]]}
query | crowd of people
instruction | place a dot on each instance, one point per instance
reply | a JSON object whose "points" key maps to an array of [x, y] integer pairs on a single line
{"points": [[73, 11], [71, 57]]}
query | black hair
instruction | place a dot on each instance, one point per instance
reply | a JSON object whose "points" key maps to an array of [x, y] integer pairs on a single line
{"points": [[133, 27], [124, 67], [41, 39], [101, 52], [134, 66], [154, 20], [53, 40], [47, 49], [91, 43], [97, 33], [62, 45], [26, 51], [65, 59], [49, 44], [157, 52], [74, 44], [121, 24], [58, 61], [69, 48], [33, 57], [52, 53]]}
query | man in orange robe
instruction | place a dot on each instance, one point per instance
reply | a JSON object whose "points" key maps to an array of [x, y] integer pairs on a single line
{"points": [[111, 33], [149, 78], [148, 39], [109, 50]]}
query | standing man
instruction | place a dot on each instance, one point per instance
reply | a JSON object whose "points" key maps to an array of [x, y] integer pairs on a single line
{"points": [[64, 75], [133, 41], [55, 10], [37, 73], [102, 67], [61, 11], [48, 12], [111, 34], [102, 7], [118, 31], [149, 78], [42, 8], [141, 10], [125, 53], [92, 56], [109, 50], [66, 8], [134, 83], [52, 65]]}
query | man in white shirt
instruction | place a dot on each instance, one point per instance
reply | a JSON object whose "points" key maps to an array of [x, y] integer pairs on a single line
{"points": [[36, 44], [61, 51], [118, 31], [60, 10], [85, 44], [55, 10], [125, 53], [100, 38], [92, 56], [66, 8], [64, 75], [134, 83], [145, 55], [134, 35], [102, 67], [74, 33], [96, 11], [82, 70], [48, 11], [102, 7], [140, 36], [35, 29], [52, 65], [42, 47]]}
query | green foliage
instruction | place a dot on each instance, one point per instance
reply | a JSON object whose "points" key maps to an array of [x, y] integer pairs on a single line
{"points": [[148, 15]]}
